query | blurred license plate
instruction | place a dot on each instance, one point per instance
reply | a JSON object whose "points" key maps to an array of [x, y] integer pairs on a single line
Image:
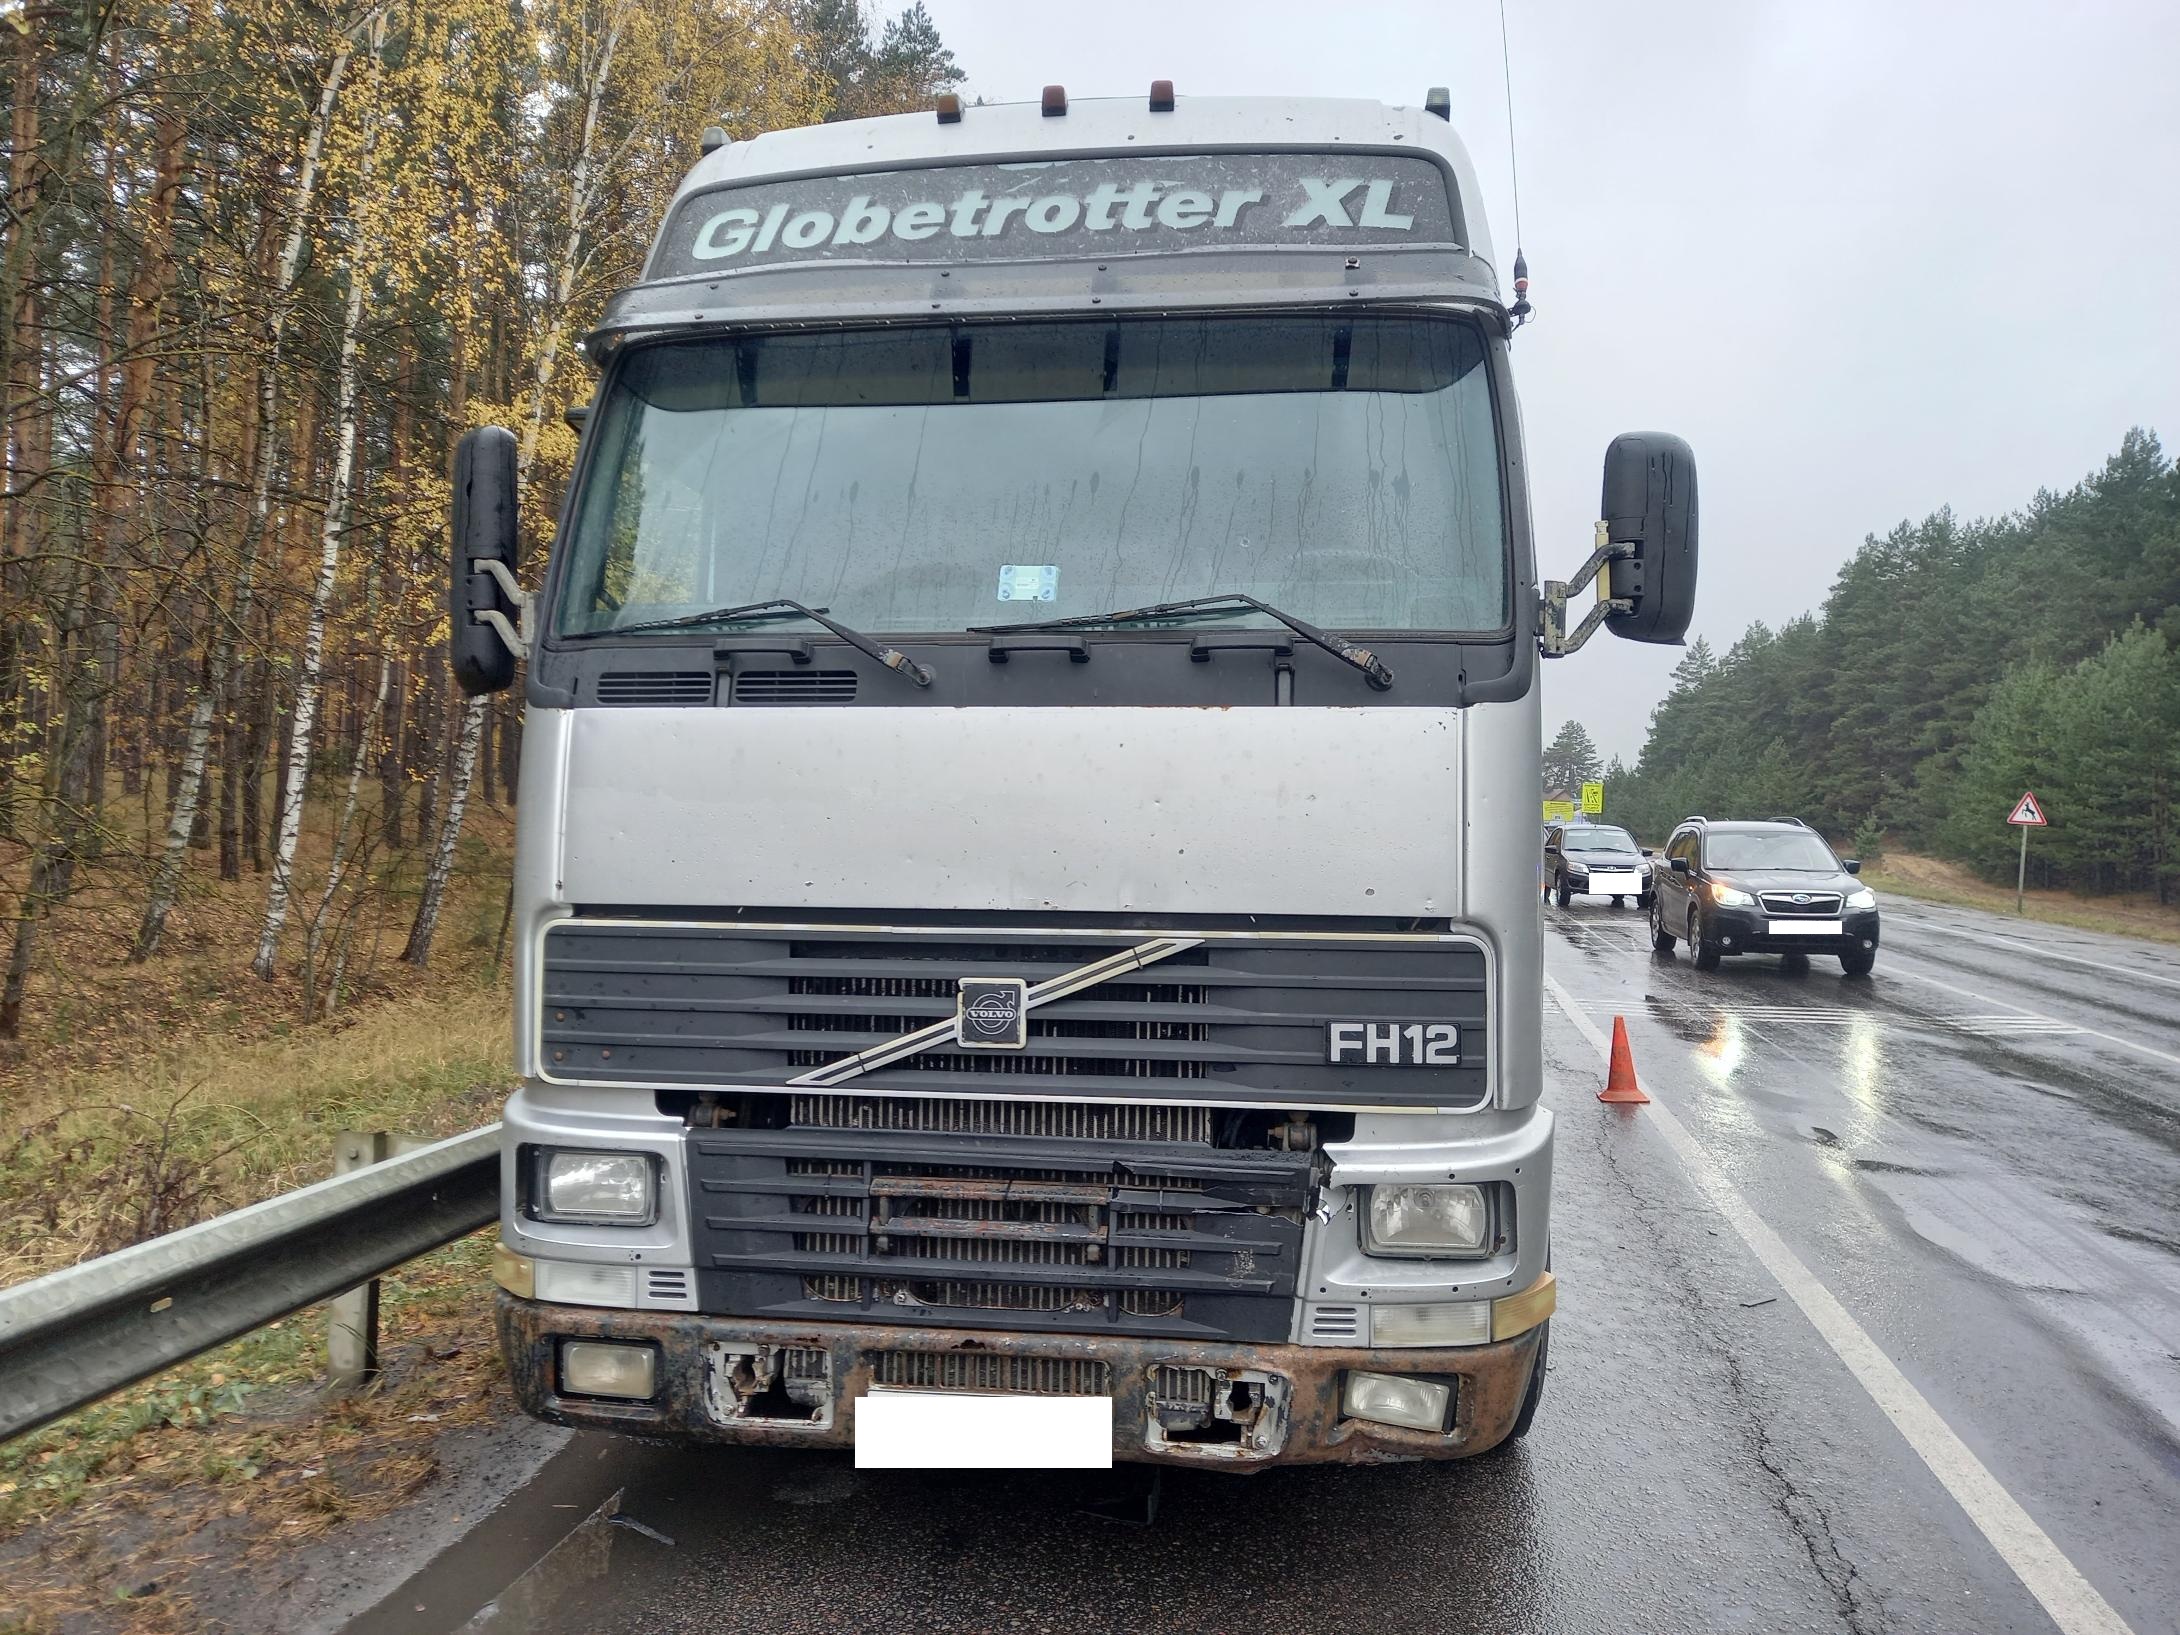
{"points": [[1807, 928], [1617, 884], [958, 1430]]}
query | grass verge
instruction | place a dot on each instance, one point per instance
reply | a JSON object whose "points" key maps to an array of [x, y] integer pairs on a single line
{"points": [[1928, 880]]}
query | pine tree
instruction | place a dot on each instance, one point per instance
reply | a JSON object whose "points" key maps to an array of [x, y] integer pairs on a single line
{"points": [[1570, 761]]}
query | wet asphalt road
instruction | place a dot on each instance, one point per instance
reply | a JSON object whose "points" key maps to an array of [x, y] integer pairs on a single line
{"points": [[1977, 1150]]}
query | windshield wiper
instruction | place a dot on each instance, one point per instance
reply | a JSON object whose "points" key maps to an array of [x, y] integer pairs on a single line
{"points": [[1373, 668], [779, 607]]}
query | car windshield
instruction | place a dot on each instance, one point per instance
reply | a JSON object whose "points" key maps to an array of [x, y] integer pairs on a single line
{"points": [[1769, 849], [1599, 840], [1343, 468]]}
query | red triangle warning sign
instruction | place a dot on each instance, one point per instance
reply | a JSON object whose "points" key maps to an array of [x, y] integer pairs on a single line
{"points": [[2027, 811]]}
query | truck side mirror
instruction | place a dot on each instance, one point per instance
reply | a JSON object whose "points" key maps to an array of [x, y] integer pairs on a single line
{"points": [[485, 605], [1650, 505]]}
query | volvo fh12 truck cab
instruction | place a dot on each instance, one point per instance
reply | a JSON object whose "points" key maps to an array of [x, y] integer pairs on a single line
{"points": [[1026, 880]]}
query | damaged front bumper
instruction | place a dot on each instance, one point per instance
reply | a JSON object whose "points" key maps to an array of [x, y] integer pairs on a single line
{"points": [[726, 1379]]}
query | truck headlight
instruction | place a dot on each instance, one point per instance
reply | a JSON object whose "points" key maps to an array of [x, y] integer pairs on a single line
{"points": [[616, 1188], [1731, 897], [1427, 1220], [1864, 898]]}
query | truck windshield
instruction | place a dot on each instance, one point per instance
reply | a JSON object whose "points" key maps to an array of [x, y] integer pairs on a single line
{"points": [[1344, 468]]}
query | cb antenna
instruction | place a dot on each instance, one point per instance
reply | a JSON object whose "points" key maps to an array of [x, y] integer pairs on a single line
{"points": [[1520, 311]]}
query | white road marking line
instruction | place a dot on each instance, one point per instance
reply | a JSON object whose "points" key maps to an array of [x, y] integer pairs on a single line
{"points": [[1818, 1016], [1894, 968], [2006, 939], [2043, 1568]]}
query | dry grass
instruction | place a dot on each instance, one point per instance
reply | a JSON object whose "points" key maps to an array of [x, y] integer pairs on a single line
{"points": [[1933, 881], [109, 1520], [144, 1097]]}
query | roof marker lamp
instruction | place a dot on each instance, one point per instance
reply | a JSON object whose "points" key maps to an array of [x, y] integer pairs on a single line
{"points": [[604, 1188]]}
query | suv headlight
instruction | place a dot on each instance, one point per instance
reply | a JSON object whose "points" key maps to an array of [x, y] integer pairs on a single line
{"points": [[1864, 898], [1731, 896], [614, 1188], [1427, 1220]]}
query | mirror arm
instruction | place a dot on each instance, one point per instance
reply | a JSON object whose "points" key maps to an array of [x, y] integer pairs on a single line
{"points": [[517, 637], [1555, 641]]}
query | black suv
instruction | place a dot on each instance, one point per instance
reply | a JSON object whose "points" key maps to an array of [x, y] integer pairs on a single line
{"points": [[1762, 888], [1585, 858]]}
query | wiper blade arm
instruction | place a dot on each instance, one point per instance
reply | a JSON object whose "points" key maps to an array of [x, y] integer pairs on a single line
{"points": [[779, 607], [1374, 669]]}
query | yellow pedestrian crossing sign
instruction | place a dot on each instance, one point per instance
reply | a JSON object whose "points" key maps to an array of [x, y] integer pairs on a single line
{"points": [[1593, 798]]}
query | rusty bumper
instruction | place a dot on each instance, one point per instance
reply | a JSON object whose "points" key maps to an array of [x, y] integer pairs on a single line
{"points": [[727, 1379]]}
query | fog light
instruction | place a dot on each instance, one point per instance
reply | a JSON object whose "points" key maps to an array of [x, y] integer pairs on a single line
{"points": [[1390, 1399], [1464, 1322], [574, 1284], [598, 1368]]}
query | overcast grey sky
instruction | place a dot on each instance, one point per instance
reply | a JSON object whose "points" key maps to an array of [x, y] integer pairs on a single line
{"points": [[1868, 258]]}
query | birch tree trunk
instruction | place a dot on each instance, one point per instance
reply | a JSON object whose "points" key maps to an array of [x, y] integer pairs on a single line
{"points": [[174, 854], [583, 186], [308, 683], [337, 869], [418, 951]]}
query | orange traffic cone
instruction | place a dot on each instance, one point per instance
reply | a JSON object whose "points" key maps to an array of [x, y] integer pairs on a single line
{"points": [[1620, 1083]]}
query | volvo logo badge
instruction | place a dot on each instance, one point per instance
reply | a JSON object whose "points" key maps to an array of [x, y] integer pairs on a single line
{"points": [[992, 1013]]}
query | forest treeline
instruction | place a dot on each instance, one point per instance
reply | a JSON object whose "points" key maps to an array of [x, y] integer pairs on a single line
{"points": [[261, 263], [1953, 666]]}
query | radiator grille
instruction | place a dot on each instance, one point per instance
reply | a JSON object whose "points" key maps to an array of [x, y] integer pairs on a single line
{"points": [[1823, 905], [1188, 1387], [794, 686], [1238, 1021], [983, 1371], [1038, 1232], [655, 687]]}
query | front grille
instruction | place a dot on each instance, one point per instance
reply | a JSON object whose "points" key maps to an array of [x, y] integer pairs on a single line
{"points": [[794, 686], [983, 1371], [996, 1230], [1078, 1121], [1240, 1020], [658, 687], [1822, 905]]}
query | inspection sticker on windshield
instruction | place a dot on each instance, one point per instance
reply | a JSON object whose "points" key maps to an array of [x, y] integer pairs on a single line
{"points": [[1021, 583]]}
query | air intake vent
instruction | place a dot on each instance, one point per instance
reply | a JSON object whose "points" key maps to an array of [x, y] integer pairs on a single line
{"points": [[671, 1288], [794, 686], [1335, 1323], [655, 687]]}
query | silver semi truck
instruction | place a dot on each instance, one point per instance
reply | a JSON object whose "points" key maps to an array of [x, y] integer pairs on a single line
{"points": [[1026, 885]]}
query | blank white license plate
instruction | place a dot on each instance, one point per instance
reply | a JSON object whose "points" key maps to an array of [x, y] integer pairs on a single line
{"points": [[1807, 928], [958, 1430], [1615, 883]]}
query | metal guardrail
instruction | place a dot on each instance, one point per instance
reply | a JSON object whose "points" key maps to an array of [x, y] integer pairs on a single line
{"points": [[76, 1335]]}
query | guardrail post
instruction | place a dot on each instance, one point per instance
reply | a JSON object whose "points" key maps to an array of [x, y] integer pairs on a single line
{"points": [[352, 1318]]}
